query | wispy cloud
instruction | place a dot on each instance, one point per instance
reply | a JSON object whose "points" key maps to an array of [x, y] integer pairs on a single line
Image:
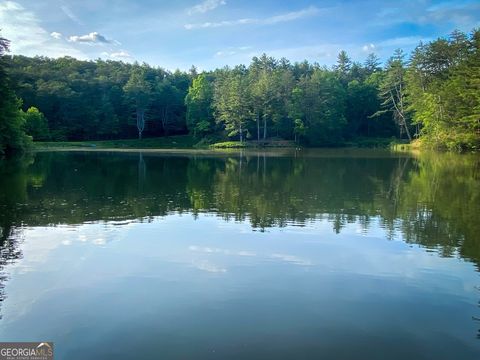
{"points": [[118, 55], [121, 55], [403, 41], [209, 267], [292, 259], [230, 51], [368, 48], [92, 38], [67, 11], [205, 6], [272, 20], [56, 35], [459, 14], [209, 250], [323, 52], [22, 27]]}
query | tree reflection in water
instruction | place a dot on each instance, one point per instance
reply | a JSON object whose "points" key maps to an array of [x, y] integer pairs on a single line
{"points": [[432, 200]]}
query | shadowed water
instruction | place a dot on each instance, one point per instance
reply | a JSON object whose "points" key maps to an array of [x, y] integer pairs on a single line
{"points": [[334, 254]]}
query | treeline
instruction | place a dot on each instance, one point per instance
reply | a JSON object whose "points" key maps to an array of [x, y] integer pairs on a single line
{"points": [[91, 100], [12, 122], [433, 95], [443, 91]]}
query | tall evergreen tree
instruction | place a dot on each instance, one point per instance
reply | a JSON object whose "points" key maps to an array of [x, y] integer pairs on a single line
{"points": [[12, 133], [138, 89], [393, 92]]}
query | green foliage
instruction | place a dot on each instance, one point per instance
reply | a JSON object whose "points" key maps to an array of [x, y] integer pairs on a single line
{"points": [[94, 100], [36, 125], [228, 145], [302, 102], [444, 91], [435, 98], [200, 120], [170, 142], [231, 102], [12, 133], [394, 94], [299, 128]]}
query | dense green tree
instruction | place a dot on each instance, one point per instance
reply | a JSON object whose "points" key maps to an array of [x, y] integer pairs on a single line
{"points": [[200, 120], [344, 64], [12, 133], [168, 100], [139, 91], [393, 92], [443, 84], [318, 102], [87, 100], [372, 63], [263, 89], [231, 102], [36, 124]]}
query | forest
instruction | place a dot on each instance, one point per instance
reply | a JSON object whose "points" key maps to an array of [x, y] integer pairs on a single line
{"points": [[431, 96]]}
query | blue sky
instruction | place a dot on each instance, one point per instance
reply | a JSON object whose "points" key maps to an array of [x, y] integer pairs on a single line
{"points": [[214, 33]]}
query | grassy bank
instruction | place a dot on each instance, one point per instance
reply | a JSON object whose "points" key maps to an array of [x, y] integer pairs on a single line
{"points": [[170, 142], [253, 144], [189, 142]]}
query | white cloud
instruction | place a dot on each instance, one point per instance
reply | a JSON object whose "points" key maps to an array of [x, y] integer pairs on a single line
{"points": [[209, 267], [230, 51], [67, 11], [403, 41], [464, 16], [205, 6], [121, 55], [28, 37], [291, 16], [368, 48], [118, 55], [321, 52], [460, 15], [92, 38], [209, 250], [56, 35], [294, 15], [292, 259], [10, 5]]}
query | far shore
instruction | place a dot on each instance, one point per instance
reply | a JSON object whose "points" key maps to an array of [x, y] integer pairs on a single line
{"points": [[187, 143]]}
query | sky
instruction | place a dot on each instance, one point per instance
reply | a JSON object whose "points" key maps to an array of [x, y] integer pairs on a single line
{"points": [[215, 33]]}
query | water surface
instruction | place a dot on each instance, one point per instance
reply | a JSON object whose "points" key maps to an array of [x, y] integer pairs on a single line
{"points": [[331, 254]]}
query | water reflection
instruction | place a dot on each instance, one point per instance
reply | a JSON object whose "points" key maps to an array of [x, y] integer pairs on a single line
{"points": [[432, 201]]}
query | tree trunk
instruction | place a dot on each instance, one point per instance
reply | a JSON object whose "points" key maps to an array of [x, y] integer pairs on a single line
{"points": [[258, 127], [407, 130], [140, 122], [241, 135], [398, 109], [264, 128], [164, 119]]}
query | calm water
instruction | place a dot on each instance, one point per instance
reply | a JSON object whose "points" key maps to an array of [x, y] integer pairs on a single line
{"points": [[278, 255]]}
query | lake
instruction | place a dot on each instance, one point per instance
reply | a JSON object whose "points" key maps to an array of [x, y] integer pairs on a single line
{"points": [[312, 254]]}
